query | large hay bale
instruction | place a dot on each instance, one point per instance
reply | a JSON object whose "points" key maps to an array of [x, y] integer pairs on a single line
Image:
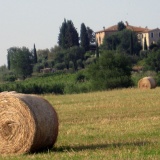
{"points": [[147, 83], [28, 123]]}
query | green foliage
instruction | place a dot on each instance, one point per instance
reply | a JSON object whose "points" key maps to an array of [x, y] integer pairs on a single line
{"points": [[122, 41], [72, 54], [37, 67], [84, 37], [125, 42], [60, 66], [143, 54], [121, 26], [6, 75], [112, 70], [75, 54], [57, 83], [34, 54], [111, 42], [153, 61], [81, 76], [91, 35], [68, 36], [153, 47], [42, 55], [20, 61]]}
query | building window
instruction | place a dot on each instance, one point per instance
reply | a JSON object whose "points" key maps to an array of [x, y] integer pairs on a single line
{"points": [[152, 35]]}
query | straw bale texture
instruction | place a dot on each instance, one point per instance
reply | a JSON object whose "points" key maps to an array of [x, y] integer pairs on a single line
{"points": [[147, 83], [28, 123]]}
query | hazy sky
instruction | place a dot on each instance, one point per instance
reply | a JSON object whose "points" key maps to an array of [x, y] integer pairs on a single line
{"points": [[25, 22]]}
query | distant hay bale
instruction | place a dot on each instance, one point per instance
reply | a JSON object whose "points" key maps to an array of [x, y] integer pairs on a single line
{"points": [[28, 123], [147, 83]]}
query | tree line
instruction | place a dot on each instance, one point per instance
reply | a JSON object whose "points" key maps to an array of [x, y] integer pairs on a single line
{"points": [[68, 54], [107, 66]]}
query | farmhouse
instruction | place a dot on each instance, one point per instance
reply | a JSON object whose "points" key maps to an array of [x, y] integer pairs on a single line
{"points": [[144, 34]]}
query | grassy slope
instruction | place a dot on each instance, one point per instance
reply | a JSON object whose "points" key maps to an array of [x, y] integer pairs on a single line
{"points": [[118, 124]]}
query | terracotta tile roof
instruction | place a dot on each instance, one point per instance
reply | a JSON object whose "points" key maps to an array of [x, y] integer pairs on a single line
{"points": [[137, 29], [133, 28]]}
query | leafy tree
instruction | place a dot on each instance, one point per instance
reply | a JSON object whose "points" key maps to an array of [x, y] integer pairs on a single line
{"points": [[84, 37], [112, 70], [37, 67], [5, 74], [68, 36], [76, 53], [42, 55], [153, 46], [59, 57], [153, 61], [20, 61], [91, 35], [111, 42], [121, 26], [123, 41], [53, 51]]}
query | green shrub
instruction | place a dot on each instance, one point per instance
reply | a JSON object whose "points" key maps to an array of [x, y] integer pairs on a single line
{"points": [[112, 70]]}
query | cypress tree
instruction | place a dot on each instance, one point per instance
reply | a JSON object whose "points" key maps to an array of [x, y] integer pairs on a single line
{"points": [[84, 37], [62, 35], [68, 36], [35, 54], [71, 35]]}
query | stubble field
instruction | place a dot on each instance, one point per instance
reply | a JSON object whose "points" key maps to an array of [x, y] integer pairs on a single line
{"points": [[117, 124]]}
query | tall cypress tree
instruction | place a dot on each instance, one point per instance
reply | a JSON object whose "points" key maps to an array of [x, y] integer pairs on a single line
{"points": [[68, 36], [35, 54], [62, 34], [71, 35], [84, 37]]}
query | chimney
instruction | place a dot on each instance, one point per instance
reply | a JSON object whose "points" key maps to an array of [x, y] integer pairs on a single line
{"points": [[103, 28], [127, 23]]}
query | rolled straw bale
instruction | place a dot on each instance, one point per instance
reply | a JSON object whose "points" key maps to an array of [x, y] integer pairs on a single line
{"points": [[28, 123], [147, 83]]}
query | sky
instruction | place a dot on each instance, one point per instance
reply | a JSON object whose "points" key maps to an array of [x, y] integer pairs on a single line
{"points": [[29, 22]]}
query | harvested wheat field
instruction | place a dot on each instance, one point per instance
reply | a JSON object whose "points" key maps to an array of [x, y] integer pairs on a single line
{"points": [[28, 123], [118, 124]]}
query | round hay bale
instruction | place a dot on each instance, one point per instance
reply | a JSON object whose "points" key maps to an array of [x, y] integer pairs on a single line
{"points": [[147, 83], [28, 123]]}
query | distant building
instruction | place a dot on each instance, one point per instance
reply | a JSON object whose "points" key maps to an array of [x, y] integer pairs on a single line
{"points": [[151, 35]]}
